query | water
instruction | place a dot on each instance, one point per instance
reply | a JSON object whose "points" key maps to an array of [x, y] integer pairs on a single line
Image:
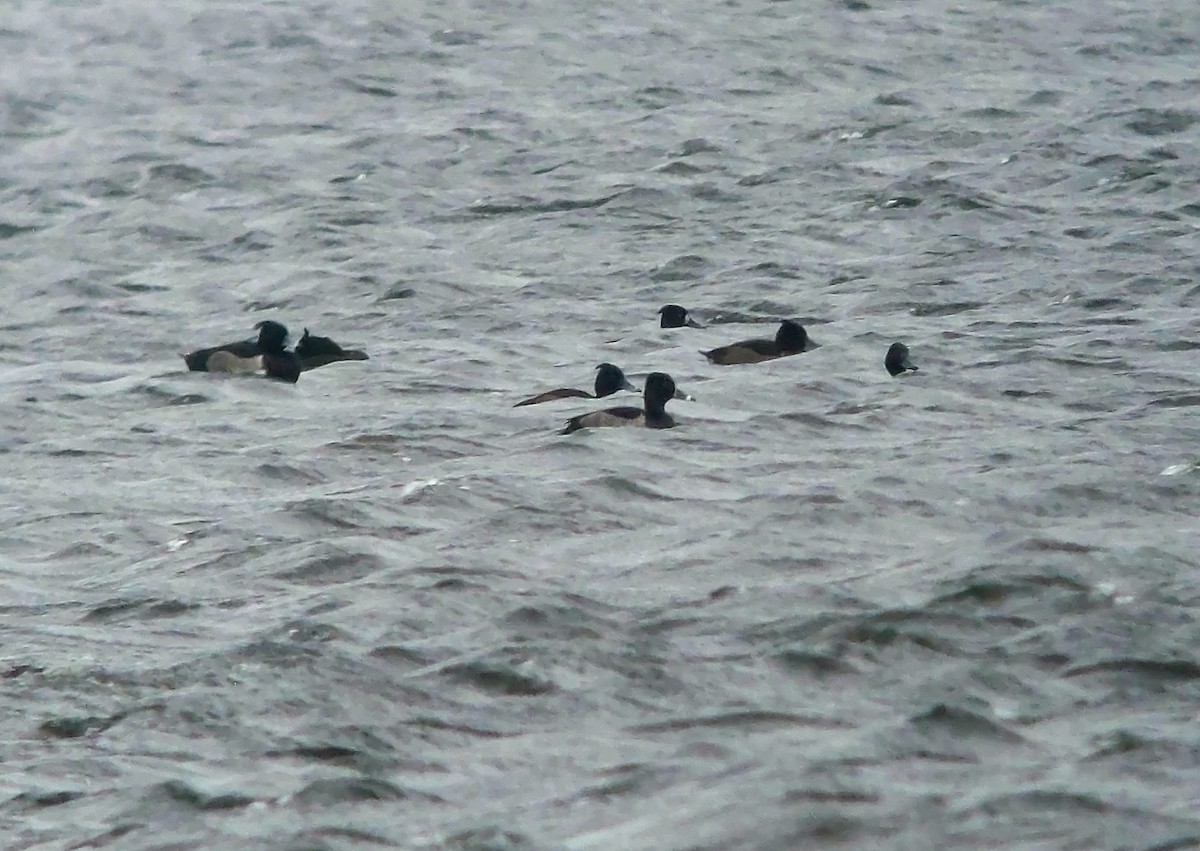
{"points": [[383, 608]]}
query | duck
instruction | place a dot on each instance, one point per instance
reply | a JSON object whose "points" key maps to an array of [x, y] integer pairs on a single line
{"points": [[660, 388], [268, 353], [790, 339], [609, 379], [896, 361], [676, 316], [270, 334], [315, 351]]}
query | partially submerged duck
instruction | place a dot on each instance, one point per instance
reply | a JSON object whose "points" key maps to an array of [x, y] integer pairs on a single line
{"points": [[790, 339], [676, 316], [660, 389], [896, 361], [271, 334], [267, 353], [315, 351], [609, 379]]}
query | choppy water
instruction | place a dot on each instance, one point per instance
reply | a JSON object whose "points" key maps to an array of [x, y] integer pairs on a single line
{"points": [[382, 608]]}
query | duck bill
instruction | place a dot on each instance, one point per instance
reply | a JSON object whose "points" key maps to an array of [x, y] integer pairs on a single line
{"points": [[679, 394], [692, 323], [627, 386]]}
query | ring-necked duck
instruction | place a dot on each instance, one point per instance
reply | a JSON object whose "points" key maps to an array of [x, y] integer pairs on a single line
{"points": [[897, 360], [660, 389], [315, 351], [676, 316], [609, 379], [790, 339], [268, 353], [271, 335]]}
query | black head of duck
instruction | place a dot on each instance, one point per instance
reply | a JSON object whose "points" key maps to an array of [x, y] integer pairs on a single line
{"points": [[609, 379], [791, 338], [896, 360], [315, 351], [272, 336], [660, 389], [277, 361], [676, 316]]}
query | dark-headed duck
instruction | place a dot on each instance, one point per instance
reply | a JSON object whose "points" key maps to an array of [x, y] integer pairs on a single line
{"points": [[897, 360], [315, 351], [790, 339], [676, 316], [268, 353], [271, 334], [660, 389], [609, 379]]}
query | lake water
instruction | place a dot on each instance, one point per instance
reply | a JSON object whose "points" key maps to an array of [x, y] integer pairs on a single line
{"points": [[382, 608]]}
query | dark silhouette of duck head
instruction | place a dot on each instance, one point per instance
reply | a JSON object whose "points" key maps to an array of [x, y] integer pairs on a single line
{"points": [[676, 316], [791, 338], [610, 379], [315, 351], [277, 361], [272, 335], [896, 360]]}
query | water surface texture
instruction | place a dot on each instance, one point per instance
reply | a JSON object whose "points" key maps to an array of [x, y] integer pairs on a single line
{"points": [[382, 608]]}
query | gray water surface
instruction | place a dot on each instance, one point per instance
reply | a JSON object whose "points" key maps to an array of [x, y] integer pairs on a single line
{"points": [[384, 609]]}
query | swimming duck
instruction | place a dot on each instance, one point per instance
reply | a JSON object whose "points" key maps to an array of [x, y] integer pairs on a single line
{"points": [[897, 360], [660, 388], [315, 351], [609, 379], [267, 353], [270, 334], [676, 316], [790, 339]]}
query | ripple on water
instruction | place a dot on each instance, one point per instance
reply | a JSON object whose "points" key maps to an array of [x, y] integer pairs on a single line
{"points": [[498, 677], [348, 790], [327, 564], [832, 608], [136, 609]]}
